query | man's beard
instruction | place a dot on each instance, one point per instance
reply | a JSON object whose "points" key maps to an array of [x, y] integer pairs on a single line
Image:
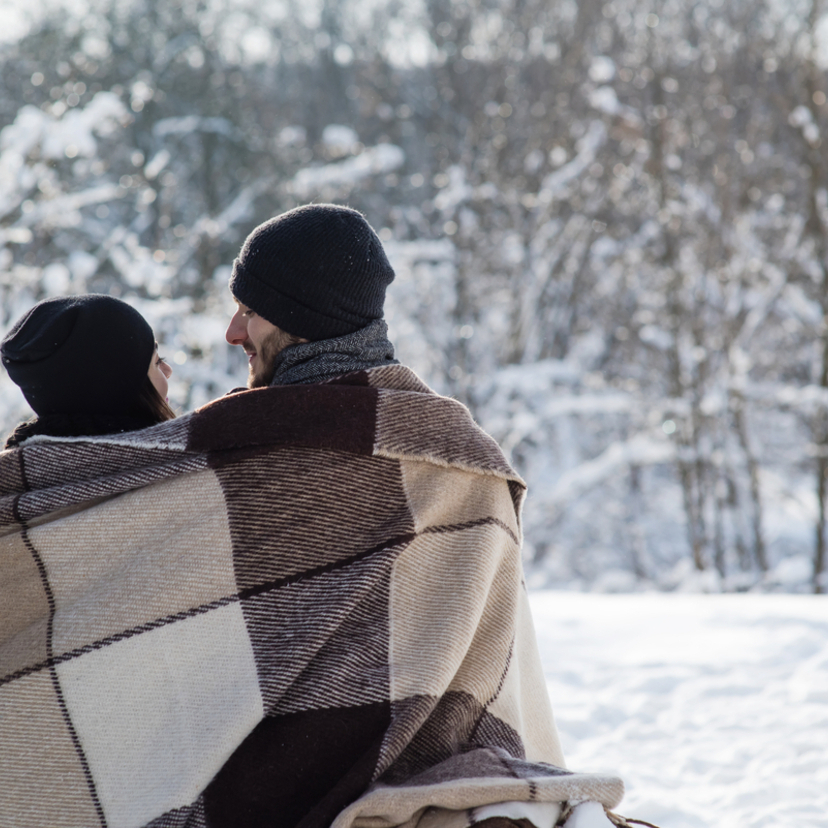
{"points": [[271, 347]]}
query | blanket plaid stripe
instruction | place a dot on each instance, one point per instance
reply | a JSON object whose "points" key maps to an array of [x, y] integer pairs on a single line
{"points": [[297, 606]]}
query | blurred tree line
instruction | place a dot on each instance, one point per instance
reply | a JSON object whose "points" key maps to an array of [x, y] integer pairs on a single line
{"points": [[609, 218]]}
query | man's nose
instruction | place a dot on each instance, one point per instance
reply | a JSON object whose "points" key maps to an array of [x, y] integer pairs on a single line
{"points": [[237, 330]]}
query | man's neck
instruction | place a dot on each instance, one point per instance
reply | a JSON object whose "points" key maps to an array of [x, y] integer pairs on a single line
{"points": [[310, 362]]}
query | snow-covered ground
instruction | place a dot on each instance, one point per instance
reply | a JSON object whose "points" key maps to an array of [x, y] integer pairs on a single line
{"points": [[712, 708]]}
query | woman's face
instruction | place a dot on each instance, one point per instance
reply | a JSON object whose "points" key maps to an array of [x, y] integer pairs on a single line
{"points": [[159, 372]]}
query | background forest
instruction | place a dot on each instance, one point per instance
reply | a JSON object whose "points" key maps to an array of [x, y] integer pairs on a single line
{"points": [[608, 222]]}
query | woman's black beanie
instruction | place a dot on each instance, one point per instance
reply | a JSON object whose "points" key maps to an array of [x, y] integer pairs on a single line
{"points": [[317, 272], [84, 354]]}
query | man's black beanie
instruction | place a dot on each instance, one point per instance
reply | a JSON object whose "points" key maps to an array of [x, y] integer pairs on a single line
{"points": [[84, 354], [317, 272]]}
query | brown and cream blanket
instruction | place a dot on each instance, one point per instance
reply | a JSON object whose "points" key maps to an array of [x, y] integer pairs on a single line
{"points": [[296, 606]]}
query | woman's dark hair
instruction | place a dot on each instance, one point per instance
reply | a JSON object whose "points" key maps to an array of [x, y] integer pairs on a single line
{"points": [[153, 403], [150, 410]]}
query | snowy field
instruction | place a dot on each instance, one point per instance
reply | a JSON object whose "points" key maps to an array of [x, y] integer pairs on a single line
{"points": [[712, 708]]}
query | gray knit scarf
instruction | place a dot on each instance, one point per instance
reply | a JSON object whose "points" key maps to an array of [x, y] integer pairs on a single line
{"points": [[369, 347]]}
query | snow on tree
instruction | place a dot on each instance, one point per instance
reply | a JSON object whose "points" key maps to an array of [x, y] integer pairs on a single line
{"points": [[608, 222]]}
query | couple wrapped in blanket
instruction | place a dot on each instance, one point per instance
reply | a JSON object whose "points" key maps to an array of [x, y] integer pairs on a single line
{"points": [[300, 605]]}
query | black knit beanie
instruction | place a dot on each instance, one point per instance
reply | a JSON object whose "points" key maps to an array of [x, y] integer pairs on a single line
{"points": [[84, 354], [318, 272]]}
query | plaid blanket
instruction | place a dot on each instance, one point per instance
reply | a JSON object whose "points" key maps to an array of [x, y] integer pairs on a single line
{"points": [[296, 606]]}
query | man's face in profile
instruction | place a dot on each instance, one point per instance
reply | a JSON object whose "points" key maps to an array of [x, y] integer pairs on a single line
{"points": [[262, 342]]}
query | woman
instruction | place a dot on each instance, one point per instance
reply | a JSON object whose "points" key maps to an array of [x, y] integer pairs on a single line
{"points": [[86, 365]]}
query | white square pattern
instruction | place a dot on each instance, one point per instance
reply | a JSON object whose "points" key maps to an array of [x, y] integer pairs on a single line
{"points": [[158, 714]]}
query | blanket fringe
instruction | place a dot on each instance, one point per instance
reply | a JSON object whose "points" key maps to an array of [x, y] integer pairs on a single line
{"points": [[616, 819], [626, 822]]}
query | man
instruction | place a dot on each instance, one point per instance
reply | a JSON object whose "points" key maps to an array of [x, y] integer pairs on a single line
{"points": [[301, 605], [313, 277]]}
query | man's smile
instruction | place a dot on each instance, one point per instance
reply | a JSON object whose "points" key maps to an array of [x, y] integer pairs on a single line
{"points": [[261, 341]]}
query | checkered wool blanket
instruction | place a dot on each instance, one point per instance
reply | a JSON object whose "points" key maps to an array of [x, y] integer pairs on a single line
{"points": [[296, 606]]}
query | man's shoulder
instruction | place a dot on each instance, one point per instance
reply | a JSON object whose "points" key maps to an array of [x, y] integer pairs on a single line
{"points": [[415, 422]]}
